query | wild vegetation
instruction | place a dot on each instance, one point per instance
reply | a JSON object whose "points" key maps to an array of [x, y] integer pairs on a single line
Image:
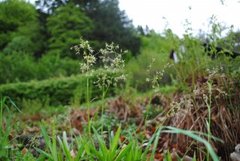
{"points": [[69, 93]]}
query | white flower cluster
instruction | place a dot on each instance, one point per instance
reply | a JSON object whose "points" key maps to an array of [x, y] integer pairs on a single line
{"points": [[89, 59], [110, 60], [158, 75], [111, 57]]}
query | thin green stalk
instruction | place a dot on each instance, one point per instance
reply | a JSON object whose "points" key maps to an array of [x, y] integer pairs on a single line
{"points": [[88, 105], [87, 97], [209, 115], [1, 111], [103, 96], [104, 93]]}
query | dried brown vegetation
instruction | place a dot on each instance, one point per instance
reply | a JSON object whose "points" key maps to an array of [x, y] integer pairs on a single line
{"points": [[124, 109], [190, 112], [80, 117]]}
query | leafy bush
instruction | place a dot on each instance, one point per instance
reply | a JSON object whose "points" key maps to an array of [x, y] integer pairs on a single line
{"points": [[19, 44], [19, 27], [16, 67], [57, 90], [153, 67], [153, 58], [51, 65], [65, 34]]}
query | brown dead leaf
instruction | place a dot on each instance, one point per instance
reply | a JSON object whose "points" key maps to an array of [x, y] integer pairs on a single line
{"points": [[35, 117], [79, 117], [158, 157], [122, 138]]}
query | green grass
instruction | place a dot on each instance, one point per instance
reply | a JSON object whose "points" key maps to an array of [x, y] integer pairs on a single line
{"points": [[95, 147], [6, 146]]}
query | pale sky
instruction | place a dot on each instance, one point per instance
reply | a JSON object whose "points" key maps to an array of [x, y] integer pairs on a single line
{"points": [[160, 14]]}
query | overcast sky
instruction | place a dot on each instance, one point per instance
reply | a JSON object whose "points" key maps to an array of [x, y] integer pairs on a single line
{"points": [[160, 14]]}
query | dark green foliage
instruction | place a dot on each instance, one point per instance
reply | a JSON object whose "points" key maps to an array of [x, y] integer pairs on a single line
{"points": [[23, 67], [66, 25], [55, 66], [59, 91], [19, 29], [19, 44], [112, 25], [230, 43], [43, 39], [14, 67]]}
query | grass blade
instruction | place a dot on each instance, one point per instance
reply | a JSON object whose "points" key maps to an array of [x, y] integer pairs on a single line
{"points": [[114, 142], [195, 137]]}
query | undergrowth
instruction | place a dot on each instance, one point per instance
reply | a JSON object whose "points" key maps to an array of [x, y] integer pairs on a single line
{"points": [[192, 111]]}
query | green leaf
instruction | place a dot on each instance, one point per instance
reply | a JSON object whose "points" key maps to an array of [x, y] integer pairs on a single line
{"points": [[49, 156], [195, 137], [114, 142], [124, 151], [65, 147]]}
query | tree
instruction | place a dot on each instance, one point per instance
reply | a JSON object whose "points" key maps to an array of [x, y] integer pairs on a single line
{"points": [[232, 41], [112, 25], [19, 29], [66, 25], [109, 22]]}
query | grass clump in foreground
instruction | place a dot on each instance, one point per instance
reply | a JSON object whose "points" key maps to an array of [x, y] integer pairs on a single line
{"points": [[98, 148]]}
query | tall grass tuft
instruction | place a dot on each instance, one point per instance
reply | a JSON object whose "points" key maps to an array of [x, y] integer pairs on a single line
{"points": [[6, 146]]}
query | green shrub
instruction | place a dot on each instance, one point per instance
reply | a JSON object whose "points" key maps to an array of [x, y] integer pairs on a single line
{"points": [[19, 44], [17, 67], [57, 90], [22, 67], [19, 26], [51, 65], [154, 47]]}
